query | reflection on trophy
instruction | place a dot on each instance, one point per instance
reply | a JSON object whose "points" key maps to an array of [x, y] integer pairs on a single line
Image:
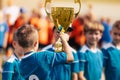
{"points": [[62, 13]]}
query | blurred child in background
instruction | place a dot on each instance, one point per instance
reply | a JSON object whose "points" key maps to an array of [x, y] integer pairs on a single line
{"points": [[3, 38], [112, 54], [90, 57], [11, 67]]}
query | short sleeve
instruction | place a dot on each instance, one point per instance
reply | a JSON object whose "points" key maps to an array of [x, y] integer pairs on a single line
{"points": [[105, 57], [75, 63], [8, 71], [82, 60]]}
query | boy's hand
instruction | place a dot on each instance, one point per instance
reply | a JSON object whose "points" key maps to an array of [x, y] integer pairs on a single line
{"points": [[67, 49], [64, 36]]}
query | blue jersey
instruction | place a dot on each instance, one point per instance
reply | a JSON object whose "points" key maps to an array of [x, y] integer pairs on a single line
{"points": [[91, 62], [111, 62], [3, 30], [63, 71], [38, 65], [11, 69]]}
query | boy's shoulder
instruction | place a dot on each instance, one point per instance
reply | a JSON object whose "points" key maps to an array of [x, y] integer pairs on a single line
{"points": [[38, 54], [11, 59], [73, 50], [48, 47], [10, 63], [85, 48], [44, 52], [107, 46]]}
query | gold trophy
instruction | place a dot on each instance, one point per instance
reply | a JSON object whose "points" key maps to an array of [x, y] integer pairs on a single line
{"points": [[62, 12]]}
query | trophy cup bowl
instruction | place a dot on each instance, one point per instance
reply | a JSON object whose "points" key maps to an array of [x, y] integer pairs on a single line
{"points": [[62, 12]]}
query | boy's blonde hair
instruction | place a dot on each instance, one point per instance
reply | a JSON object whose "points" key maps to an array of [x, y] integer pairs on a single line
{"points": [[93, 26], [116, 25]]}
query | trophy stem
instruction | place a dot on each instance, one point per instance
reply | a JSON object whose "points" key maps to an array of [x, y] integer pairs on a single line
{"points": [[58, 46]]}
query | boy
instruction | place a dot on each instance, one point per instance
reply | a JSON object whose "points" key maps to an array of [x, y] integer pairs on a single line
{"points": [[38, 65], [3, 38], [111, 53], [11, 67], [90, 57], [65, 70]]}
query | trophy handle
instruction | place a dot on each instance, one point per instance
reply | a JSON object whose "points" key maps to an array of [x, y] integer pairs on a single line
{"points": [[78, 1], [47, 1]]}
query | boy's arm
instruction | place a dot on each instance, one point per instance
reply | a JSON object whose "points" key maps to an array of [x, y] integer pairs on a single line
{"points": [[66, 47], [7, 71], [82, 62], [103, 74], [105, 62], [5, 40], [75, 66], [81, 75], [74, 76], [6, 36]]}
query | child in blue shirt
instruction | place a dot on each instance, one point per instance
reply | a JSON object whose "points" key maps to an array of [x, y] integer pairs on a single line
{"points": [[111, 53], [38, 65], [66, 71], [3, 38], [11, 67], [90, 57]]}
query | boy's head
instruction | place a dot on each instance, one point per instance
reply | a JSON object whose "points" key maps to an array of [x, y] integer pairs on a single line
{"points": [[115, 32], [27, 37], [17, 47], [93, 26], [93, 32]]}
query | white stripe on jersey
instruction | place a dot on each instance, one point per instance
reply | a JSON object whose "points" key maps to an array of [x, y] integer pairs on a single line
{"points": [[7, 72], [11, 59]]}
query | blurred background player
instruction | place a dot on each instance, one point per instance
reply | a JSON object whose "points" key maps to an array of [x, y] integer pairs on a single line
{"points": [[11, 67], [77, 37], [65, 70], [111, 53], [106, 38], [90, 57], [3, 38], [44, 25]]}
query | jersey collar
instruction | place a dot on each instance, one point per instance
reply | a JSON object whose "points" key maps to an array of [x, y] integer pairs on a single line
{"points": [[27, 54]]}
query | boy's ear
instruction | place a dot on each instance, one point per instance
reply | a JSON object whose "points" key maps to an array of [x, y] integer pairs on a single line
{"points": [[14, 44], [36, 43], [36, 46]]}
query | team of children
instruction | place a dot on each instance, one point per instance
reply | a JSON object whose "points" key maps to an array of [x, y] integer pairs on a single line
{"points": [[87, 63]]}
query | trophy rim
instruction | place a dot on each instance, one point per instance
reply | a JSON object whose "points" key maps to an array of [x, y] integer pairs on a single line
{"points": [[75, 1]]}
